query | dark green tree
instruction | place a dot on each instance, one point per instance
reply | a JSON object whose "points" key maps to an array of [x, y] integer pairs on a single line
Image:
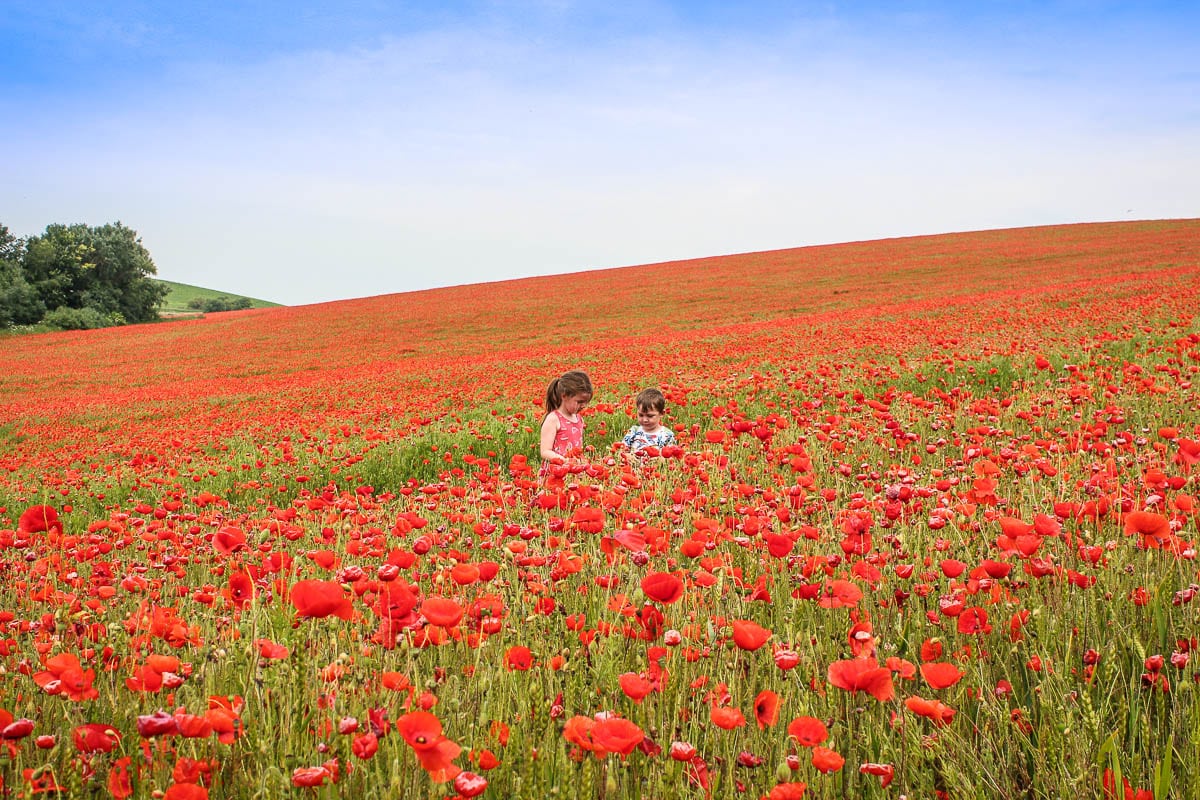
{"points": [[19, 302], [103, 268]]}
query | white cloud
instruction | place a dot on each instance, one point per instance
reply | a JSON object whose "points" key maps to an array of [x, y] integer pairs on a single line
{"points": [[459, 156]]}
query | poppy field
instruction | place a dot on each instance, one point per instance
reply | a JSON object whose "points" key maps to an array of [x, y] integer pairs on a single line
{"points": [[929, 531]]}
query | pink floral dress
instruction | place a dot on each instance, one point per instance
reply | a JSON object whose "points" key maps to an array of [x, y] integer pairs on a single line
{"points": [[568, 440]]}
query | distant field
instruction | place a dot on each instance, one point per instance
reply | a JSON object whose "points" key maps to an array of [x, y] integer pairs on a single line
{"points": [[928, 529], [182, 294]]}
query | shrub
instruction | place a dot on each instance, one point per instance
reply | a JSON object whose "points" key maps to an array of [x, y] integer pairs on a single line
{"points": [[79, 319]]}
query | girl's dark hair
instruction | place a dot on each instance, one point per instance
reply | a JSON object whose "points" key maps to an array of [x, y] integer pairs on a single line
{"points": [[570, 384], [651, 400]]}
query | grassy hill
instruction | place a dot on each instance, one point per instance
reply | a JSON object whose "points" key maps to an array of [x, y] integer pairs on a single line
{"points": [[182, 294]]}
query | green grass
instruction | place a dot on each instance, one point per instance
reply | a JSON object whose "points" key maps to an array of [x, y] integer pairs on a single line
{"points": [[182, 293]]}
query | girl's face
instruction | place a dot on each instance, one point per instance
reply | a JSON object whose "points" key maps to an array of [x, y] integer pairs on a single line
{"points": [[649, 419], [573, 404]]}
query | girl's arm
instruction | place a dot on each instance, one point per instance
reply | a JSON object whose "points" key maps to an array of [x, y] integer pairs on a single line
{"points": [[549, 430]]}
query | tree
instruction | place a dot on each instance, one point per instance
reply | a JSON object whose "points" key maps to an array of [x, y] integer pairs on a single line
{"points": [[19, 302], [104, 268]]}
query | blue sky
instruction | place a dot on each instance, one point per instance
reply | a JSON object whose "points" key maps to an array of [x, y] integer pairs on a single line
{"points": [[303, 152]]}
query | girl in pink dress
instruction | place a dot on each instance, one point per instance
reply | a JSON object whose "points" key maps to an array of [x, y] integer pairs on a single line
{"points": [[562, 429]]}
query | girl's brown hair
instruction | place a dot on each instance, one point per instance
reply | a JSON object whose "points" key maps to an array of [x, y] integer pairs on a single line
{"points": [[570, 384]]}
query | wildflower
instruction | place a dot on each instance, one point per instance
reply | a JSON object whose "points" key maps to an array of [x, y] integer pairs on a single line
{"points": [[66, 676], [885, 772], [807, 731], [634, 686], [319, 599], [727, 717], [662, 587], [38, 519], [93, 737], [766, 709], [518, 658], [749, 635], [436, 753], [826, 760], [441, 611], [616, 735], [935, 711], [940, 675], [189, 791], [862, 675]]}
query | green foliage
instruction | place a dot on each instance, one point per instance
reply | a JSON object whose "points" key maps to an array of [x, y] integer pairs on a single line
{"points": [[213, 305], [102, 270], [19, 302], [77, 319]]}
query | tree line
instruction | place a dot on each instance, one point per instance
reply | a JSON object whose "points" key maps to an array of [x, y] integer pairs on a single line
{"points": [[77, 276]]}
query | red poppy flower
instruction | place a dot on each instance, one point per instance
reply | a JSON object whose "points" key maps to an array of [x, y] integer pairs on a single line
{"points": [[662, 587], [808, 731], [310, 776], [119, 784], [160, 723], [682, 751], [224, 716], [749, 635], [93, 737], [518, 658], [396, 602], [271, 650], [365, 745], [469, 784], [826, 760], [902, 667], [578, 731], [11, 729], [862, 675], [1013, 527], [1153, 528], [793, 790], [952, 568], [634, 686], [766, 709], [37, 519], [41, 781], [935, 711], [1189, 452], [941, 675], [229, 539], [486, 759], [192, 726], [616, 735], [885, 772], [974, 620], [185, 791], [464, 574], [727, 717], [441, 611], [423, 733], [239, 590], [318, 599], [840, 593], [66, 676]]}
